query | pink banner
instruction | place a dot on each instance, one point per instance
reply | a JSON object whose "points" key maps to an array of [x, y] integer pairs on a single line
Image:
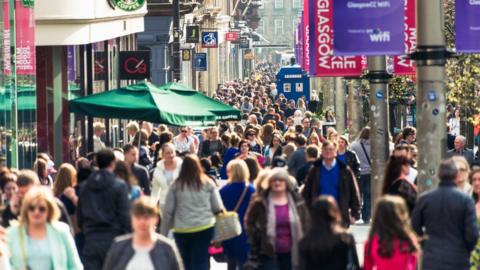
{"points": [[306, 36], [25, 31], [6, 36], [325, 64], [401, 64]]}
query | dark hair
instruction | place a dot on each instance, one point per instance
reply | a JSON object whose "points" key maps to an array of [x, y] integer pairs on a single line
{"points": [[253, 167], [128, 147], [391, 221], [407, 131], [299, 129], [191, 174], [123, 172], [7, 177], [301, 139], [105, 158], [216, 160], [234, 140], [365, 134], [206, 164], [325, 230], [393, 171], [242, 142], [447, 171], [475, 196], [312, 151]]}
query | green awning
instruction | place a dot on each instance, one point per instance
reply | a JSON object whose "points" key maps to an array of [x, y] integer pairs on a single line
{"points": [[173, 104]]}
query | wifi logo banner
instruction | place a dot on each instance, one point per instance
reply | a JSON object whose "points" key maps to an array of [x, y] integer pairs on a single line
{"points": [[368, 27]]}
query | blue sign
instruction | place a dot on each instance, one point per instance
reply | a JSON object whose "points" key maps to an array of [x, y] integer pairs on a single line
{"points": [[200, 62], [293, 82], [210, 39], [379, 94]]}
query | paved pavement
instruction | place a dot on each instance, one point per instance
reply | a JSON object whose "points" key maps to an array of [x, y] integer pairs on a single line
{"points": [[359, 231]]}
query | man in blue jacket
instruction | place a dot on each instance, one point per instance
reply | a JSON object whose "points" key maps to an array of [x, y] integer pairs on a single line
{"points": [[103, 210], [446, 218]]}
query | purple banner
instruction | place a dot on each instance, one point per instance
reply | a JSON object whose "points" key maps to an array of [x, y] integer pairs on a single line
{"points": [[467, 25], [366, 27]]}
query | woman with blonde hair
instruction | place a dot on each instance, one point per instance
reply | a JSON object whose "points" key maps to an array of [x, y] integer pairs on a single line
{"points": [[165, 173], [236, 197], [313, 139], [39, 241]]}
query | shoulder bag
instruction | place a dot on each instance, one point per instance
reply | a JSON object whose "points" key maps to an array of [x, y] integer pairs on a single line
{"points": [[227, 224]]}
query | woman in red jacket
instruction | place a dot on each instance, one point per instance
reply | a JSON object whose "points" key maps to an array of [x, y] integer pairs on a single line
{"points": [[391, 244]]}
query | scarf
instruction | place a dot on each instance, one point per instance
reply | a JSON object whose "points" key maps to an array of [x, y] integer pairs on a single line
{"points": [[295, 227]]}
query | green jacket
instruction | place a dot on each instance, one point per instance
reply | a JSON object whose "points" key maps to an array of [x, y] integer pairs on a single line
{"points": [[60, 240]]}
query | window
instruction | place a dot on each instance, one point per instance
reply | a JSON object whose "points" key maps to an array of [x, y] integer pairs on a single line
{"points": [[287, 87], [278, 3], [297, 4], [261, 27], [278, 24]]}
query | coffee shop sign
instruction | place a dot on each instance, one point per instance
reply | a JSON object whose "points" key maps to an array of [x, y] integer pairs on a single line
{"points": [[127, 5]]}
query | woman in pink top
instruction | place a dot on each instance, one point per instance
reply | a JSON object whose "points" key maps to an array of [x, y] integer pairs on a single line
{"points": [[391, 244]]}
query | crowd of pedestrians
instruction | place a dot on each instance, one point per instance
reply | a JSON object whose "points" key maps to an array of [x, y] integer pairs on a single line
{"points": [[295, 188]]}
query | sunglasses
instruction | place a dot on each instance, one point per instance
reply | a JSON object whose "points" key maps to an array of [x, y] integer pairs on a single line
{"points": [[41, 209], [183, 131]]}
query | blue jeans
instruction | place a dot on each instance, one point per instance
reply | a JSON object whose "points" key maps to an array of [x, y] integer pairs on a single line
{"points": [[193, 248], [365, 191]]}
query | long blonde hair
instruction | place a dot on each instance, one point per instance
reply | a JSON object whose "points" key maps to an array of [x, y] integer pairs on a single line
{"points": [[66, 177]]}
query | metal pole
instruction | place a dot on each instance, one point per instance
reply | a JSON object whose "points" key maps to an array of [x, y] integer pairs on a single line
{"points": [[378, 78], [13, 86], [355, 112], [430, 56], [176, 40], [340, 104]]}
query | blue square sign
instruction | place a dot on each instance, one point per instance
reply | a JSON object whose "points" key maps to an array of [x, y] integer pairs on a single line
{"points": [[200, 62], [210, 39]]}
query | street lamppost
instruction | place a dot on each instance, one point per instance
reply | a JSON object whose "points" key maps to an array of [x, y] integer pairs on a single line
{"points": [[13, 86]]}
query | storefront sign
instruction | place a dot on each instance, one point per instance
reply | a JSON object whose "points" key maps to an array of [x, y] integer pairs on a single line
{"points": [[244, 42], [209, 39], [186, 55], [231, 36], [368, 27], [200, 62], [323, 63], [128, 5], [193, 34], [467, 25], [401, 64], [134, 65]]}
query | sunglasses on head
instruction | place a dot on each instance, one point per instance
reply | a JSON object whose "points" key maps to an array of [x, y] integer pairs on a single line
{"points": [[41, 209]]}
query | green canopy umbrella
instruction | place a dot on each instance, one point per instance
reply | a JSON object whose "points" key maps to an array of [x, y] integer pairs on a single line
{"points": [[172, 104]]}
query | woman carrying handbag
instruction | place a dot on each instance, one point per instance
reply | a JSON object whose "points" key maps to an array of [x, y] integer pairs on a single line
{"points": [[236, 197]]}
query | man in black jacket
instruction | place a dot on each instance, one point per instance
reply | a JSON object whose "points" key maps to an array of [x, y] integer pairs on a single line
{"points": [[130, 153], [330, 176], [103, 210], [447, 219]]}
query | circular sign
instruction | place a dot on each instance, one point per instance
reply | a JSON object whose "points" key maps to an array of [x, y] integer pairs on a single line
{"points": [[129, 5], [379, 94]]}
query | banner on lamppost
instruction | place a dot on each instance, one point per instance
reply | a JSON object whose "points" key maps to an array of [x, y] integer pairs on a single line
{"points": [[467, 26], [6, 37], [366, 27], [25, 37], [307, 27], [402, 65], [323, 62], [301, 56]]}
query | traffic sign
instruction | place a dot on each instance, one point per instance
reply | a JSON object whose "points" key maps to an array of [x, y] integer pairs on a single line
{"points": [[200, 62], [210, 39], [244, 42], [193, 33]]}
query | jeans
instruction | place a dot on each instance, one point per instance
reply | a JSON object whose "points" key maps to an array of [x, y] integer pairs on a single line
{"points": [[193, 248], [365, 191], [283, 261], [94, 253]]}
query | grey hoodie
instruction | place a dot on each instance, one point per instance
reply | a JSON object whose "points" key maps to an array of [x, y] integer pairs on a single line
{"points": [[357, 148]]}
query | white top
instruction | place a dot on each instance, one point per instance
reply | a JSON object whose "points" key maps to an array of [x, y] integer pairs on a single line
{"points": [[455, 125], [182, 146], [141, 259], [412, 175]]}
